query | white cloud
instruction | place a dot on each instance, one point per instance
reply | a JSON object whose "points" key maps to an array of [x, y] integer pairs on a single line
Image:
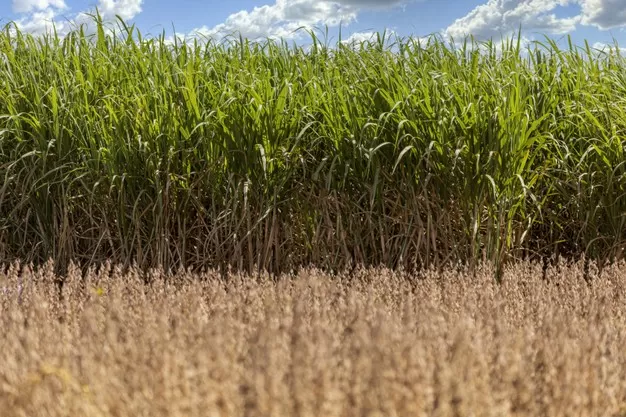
{"points": [[41, 22], [601, 46], [359, 37], [281, 19], [502, 17], [41, 15], [378, 4], [27, 6], [604, 14], [126, 9], [284, 17], [108, 9]]}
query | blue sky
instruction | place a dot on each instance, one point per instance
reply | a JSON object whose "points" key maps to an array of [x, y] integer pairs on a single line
{"points": [[599, 21]]}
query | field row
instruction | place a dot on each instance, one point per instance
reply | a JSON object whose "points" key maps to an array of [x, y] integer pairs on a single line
{"points": [[274, 156], [375, 343]]}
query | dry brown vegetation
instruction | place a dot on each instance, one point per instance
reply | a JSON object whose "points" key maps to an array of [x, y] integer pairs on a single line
{"points": [[374, 343]]}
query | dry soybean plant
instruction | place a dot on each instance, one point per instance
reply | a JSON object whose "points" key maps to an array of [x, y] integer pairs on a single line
{"points": [[372, 343]]}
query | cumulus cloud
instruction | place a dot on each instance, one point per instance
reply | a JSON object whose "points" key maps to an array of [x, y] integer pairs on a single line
{"points": [[604, 47], [126, 9], [358, 37], [376, 4], [40, 22], [108, 9], [604, 14], [283, 18], [42, 15], [502, 17], [27, 6]]}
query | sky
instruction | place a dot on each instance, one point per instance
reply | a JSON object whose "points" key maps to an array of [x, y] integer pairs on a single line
{"points": [[600, 22]]}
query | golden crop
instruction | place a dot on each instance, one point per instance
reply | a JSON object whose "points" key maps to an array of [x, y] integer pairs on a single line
{"points": [[374, 343]]}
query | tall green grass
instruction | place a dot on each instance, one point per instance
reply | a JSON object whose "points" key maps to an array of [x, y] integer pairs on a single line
{"points": [[267, 155]]}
